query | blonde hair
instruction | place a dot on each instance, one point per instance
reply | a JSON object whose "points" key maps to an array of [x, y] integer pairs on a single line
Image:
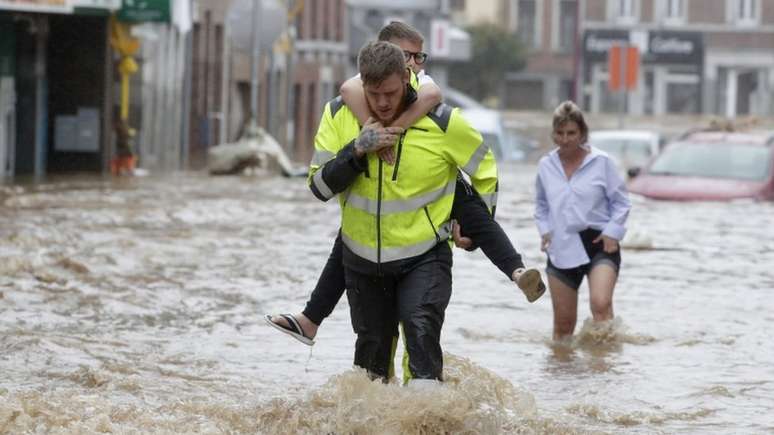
{"points": [[569, 111]]}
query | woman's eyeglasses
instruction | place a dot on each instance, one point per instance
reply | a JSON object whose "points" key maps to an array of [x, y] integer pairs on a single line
{"points": [[419, 57]]}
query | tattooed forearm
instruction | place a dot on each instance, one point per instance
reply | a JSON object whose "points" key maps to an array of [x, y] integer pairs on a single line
{"points": [[368, 140]]}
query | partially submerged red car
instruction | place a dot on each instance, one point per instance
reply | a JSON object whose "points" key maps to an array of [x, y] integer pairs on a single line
{"points": [[714, 166]]}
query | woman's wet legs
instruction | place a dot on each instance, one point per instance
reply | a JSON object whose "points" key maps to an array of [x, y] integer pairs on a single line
{"points": [[602, 279], [565, 303]]}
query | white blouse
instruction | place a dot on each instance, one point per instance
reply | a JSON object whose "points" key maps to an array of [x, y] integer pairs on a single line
{"points": [[594, 197]]}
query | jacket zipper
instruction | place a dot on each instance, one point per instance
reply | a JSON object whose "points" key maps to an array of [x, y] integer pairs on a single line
{"points": [[397, 159], [437, 236], [379, 223]]}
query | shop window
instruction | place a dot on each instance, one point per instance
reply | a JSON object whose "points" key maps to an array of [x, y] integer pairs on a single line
{"points": [[741, 92], [527, 24], [682, 90], [682, 97], [747, 83]]}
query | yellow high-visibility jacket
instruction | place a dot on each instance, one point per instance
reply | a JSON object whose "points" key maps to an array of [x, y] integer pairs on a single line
{"points": [[401, 211]]}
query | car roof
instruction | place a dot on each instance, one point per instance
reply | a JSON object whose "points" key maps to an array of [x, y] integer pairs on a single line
{"points": [[763, 138]]}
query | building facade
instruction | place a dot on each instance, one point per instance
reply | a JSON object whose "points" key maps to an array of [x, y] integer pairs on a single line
{"points": [[318, 64], [55, 87], [697, 56], [444, 41], [548, 29], [298, 71], [65, 86]]}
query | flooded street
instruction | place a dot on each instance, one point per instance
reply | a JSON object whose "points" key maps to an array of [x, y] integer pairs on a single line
{"points": [[135, 306]]}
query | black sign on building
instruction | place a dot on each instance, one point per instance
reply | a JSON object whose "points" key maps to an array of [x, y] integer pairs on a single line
{"points": [[675, 55], [666, 47]]}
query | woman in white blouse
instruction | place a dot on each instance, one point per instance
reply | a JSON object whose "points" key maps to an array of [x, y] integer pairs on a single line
{"points": [[581, 207]]}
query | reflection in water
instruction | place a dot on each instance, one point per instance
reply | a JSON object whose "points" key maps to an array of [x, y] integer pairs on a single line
{"points": [[135, 305]]}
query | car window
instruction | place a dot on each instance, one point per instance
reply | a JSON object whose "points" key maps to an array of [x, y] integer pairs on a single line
{"points": [[745, 162]]}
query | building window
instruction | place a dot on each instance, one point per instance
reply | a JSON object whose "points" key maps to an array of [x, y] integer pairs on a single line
{"points": [[527, 26], [457, 5], [672, 11], [567, 25], [624, 11], [326, 23], [312, 17], [744, 12], [337, 14]]}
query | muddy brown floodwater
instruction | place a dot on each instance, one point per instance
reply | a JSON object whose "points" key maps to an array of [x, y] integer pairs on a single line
{"points": [[135, 306]]}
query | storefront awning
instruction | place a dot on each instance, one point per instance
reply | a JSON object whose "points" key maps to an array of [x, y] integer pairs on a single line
{"points": [[41, 6], [62, 6]]}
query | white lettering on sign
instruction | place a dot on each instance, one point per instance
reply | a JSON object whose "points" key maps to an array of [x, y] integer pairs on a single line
{"points": [[602, 45], [671, 46]]}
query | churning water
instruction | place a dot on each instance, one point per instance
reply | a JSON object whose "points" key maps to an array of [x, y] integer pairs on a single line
{"points": [[135, 306]]}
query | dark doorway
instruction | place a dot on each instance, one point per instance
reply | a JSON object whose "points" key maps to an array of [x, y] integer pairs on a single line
{"points": [[76, 92], [27, 99]]}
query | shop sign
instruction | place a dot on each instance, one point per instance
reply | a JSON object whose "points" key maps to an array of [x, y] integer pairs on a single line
{"points": [[656, 46], [145, 10], [597, 43], [44, 6], [675, 47]]}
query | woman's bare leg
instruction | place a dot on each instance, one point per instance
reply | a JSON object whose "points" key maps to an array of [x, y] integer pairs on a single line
{"points": [[565, 302], [602, 279]]}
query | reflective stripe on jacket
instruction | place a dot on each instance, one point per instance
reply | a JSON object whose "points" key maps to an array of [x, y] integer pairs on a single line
{"points": [[401, 211]]}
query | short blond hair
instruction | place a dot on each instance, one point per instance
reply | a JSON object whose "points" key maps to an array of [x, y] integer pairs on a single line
{"points": [[378, 60], [569, 111]]}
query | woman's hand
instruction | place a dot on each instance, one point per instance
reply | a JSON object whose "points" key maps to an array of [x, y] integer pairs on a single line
{"points": [[545, 242], [460, 240], [609, 244]]}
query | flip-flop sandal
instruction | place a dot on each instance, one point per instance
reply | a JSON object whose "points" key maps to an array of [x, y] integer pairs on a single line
{"points": [[531, 283], [294, 330]]}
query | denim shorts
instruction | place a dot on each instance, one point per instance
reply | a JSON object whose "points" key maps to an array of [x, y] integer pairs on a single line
{"points": [[574, 276]]}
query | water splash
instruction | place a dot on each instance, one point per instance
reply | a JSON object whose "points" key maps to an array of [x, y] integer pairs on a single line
{"points": [[472, 400], [607, 334]]}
